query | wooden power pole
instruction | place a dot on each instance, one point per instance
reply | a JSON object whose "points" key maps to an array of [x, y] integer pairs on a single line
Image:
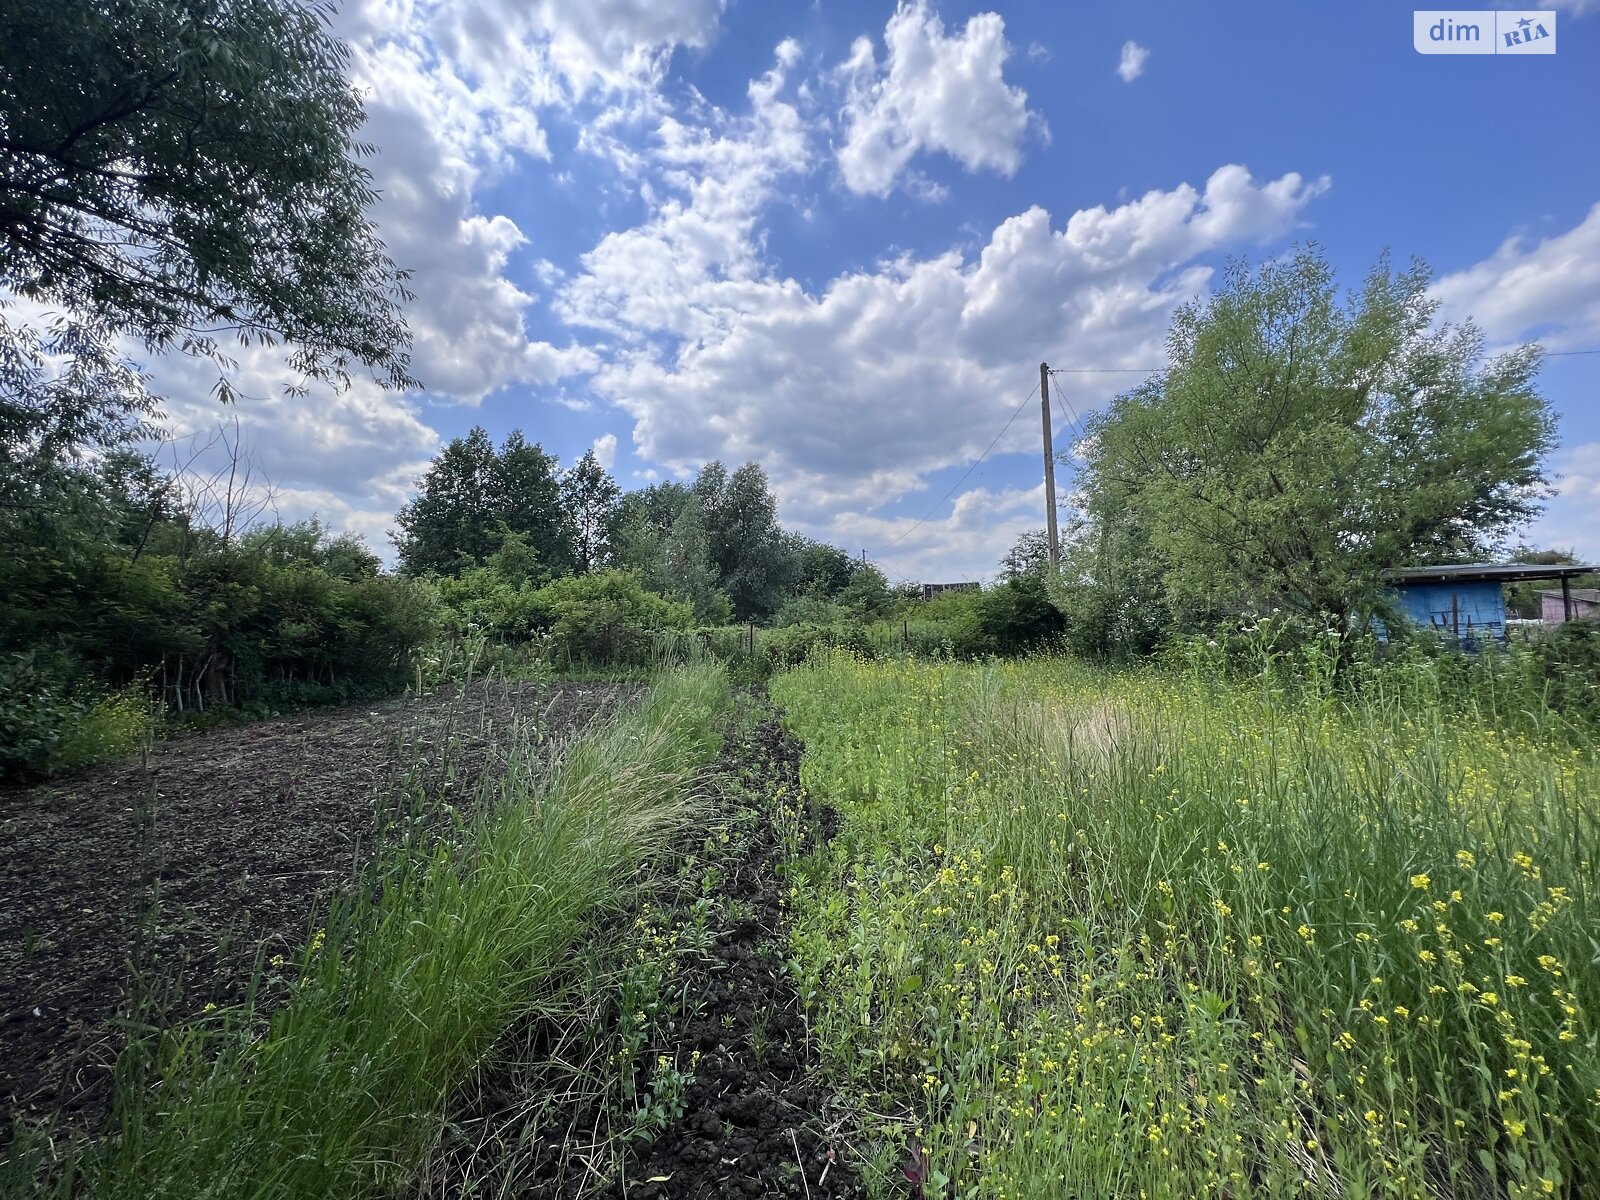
{"points": [[1049, 468]]}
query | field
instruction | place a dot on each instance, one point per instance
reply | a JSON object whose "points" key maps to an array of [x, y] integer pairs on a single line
{"points": [[521, 939], [1153, 934], [912, 928], [216, 849]]}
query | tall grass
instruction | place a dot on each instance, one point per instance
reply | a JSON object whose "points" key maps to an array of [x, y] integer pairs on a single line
{"points": [[1154, 934], [410, 986]]}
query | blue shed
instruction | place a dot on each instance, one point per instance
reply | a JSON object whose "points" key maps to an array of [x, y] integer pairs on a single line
{"points": [[1466, 601]]}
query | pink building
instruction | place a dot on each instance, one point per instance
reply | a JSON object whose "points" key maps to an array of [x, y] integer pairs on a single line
{"points": [[1585, 604]]}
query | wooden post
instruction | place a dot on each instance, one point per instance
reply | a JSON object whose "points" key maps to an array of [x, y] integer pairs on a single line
{"points": [[1455, 615], [1049, 467], [752, 640], [1566, 598], [905, 635]]}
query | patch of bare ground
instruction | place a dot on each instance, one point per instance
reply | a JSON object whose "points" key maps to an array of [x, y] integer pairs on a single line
{"points": [[163, 881], [723, 1096]]}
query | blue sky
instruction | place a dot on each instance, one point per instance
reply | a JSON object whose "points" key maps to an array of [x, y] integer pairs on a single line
{"points": [[839, 238]]}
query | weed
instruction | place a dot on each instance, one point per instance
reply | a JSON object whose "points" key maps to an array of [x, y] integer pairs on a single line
{"points": [[414, 981], [1153, 933]]}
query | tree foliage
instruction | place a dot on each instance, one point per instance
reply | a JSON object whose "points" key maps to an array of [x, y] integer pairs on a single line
{"points": [[756, 567], [182, 169], [114, 589], [473, 495], [589, 496], [1300, 444], [1029, 555]]}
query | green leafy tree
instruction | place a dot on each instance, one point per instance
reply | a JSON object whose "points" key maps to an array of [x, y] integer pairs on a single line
{"points": [[1109, 587], [686, 571], [472, 496], [589, 497], [454, 520], [182, 169], [867, 595], [526, 490], [653, 508], [824, 568], [1301, 443], [756, 565], [64, 396], [1029, 555]]}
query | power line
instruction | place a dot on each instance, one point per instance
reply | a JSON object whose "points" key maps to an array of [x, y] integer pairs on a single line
{"points": [[1078, 426], [968, 471], [1105, 370], [1154, 370]]}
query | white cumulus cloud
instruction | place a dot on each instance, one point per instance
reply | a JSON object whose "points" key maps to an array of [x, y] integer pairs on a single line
{"points": [[851, 395], [1548, 289], [1568, 522], [348, 456], [935, 91]]}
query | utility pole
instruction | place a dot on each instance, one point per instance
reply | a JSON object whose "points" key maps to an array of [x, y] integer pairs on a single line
{"points": [[1049, 467]]}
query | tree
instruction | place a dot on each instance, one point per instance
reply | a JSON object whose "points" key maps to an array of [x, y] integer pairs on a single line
{"points": [[686, 571], [1029, 555], [653, 508], [51, 419], [590, 500], [454, 519], [1299, 445], [472, 496], [181, 169], [755, 565], [525, 483], [867, 595], [824, 569]]}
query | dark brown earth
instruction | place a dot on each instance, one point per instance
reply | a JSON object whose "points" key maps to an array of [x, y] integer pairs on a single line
{"points": [[220, 848], [757, 1119]]}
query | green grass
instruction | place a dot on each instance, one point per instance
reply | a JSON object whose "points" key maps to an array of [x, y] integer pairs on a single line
{"points": [[343, 1091], [1151, 934]]}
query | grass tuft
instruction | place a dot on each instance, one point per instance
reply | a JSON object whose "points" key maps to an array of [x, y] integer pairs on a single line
{"points": [[410, 985]]}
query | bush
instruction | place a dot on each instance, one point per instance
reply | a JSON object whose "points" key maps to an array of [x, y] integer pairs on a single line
{"points": [[1015, 617], [112, 727], [605, 617], [1568, 660], [809, 610], [51, 720], [34, 708]]}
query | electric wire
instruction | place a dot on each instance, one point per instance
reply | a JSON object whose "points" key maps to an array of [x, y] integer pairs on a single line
{"points": [[1077, 424], [968, 471]]}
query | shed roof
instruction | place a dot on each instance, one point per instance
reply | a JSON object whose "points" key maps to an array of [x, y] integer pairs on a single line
{"points": [[1587, 595], [1488, 572]]}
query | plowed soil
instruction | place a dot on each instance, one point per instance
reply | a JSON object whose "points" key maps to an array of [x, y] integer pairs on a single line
{"points": [[757, 1118], [160, 883]]}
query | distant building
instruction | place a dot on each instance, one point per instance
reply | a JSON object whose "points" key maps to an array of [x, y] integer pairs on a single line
{"points": [[930, 590], [1585, 604], [1466, 601]]}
